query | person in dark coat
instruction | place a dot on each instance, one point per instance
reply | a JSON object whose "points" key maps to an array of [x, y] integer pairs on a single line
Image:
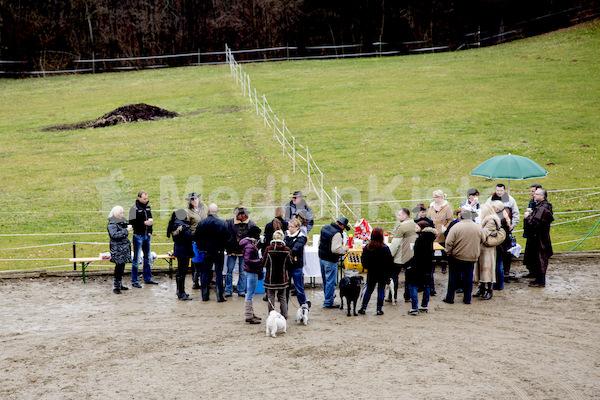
{"points": [[277, 224], [179, 229], [295, 239], [377, 259], [212, 237], [120, 246], [421, 212], [539, 246], [277, 261], [420, 268]]}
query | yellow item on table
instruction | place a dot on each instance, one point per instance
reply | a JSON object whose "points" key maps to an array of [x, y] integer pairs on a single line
{"points": [[352, 260]]}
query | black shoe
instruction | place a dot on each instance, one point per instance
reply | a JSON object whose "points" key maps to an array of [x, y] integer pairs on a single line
{"points": [[185, 297], [459, 291], [466, 302], [136, 284], [150, 282], [221, 300], [362, 311], [432, 293], [445, 300], [334, 305], [196, 286], [116, 291], [228, 295], [205, 299], [124, 287], [379, 312]]}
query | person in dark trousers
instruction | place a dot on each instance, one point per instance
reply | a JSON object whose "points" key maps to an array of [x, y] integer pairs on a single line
{"points": [[120, 246], [539, 245], [212, 237], [196, 212], [420, 267], [463, 246], [530, 208], [503, 257], [295, 240], [277, 262], [140, 217], [331, 247], [378, 261], [179, 229], [238, 228]]}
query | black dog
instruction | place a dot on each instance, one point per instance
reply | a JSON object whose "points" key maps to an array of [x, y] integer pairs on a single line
{"points": [[350, 289]]}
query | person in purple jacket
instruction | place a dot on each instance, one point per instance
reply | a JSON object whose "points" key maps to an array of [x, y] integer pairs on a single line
{"points": [[253, 270]]}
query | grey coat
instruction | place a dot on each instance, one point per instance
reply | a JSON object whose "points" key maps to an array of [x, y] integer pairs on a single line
{"points": [[120, 246]]}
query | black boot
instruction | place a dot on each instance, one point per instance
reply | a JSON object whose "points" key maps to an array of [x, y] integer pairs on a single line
{"points": [[488, 293], [480, 291], [116, 286]]}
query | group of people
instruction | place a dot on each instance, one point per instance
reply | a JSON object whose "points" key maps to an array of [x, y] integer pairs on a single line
{"points": [[204, 241], [476, 238]]}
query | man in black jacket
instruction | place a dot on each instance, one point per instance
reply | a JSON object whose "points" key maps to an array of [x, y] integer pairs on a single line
{"points": [[212, 237], [140, 218], [539, 246], [331, 247]]}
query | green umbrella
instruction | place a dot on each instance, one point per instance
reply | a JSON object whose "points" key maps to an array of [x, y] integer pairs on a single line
{"points": [[509, 167]]}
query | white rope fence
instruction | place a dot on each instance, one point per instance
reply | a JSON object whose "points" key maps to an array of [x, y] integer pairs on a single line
{"points": [[301, 157]]}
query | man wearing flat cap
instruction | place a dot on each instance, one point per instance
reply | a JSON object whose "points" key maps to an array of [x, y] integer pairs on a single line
{"points": [[421, 212], [238, 228], [472, 204], [297, 204], [331, 247]]}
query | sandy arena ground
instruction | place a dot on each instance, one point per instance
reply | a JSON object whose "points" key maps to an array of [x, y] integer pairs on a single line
{"points": [[62, 339]]}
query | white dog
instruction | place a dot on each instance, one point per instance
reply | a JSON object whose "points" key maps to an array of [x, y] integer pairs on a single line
{"points": [[275, 322], [389, 291], [302, 314]]}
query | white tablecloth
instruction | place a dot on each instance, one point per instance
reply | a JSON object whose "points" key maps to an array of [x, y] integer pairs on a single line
{"points": [[312, 268]]}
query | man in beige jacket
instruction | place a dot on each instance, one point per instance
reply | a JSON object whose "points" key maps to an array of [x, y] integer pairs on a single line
{"points": [[401, 248], [463, 245]]}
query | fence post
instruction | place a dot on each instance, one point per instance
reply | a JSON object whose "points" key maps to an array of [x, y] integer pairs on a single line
{"points": [[337, 210], [244, 83], [308, 166], [256, 101], [199, 56], [322, 195], [264, 110], [283, 136], [294, 154], [74, 256]]}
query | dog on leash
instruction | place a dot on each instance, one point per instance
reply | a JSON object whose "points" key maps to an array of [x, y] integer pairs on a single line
{"points": [[275, 322], [389, 291], [302, 314], [350, 288]]}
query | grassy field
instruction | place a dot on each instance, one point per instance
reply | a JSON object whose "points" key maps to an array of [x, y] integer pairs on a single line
{"points": [[382, 128]]}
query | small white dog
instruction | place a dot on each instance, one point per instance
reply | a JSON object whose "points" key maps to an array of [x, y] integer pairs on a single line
{"points": [[302, 314], [389, 291], [275, 322]]}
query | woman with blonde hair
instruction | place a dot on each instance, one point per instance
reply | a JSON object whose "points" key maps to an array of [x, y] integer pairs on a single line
{"points": [[120, 246], [485, 270]]}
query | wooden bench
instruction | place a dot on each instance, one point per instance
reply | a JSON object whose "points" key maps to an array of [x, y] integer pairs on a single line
{"points": [[85, 261]]}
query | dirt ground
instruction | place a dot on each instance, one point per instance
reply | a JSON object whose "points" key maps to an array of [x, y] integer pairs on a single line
{"points": [[62, 339]]}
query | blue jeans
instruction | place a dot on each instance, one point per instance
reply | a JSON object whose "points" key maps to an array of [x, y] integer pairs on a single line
{"points": [[241, 284], [329, 277], [414, 296], [141, 242], [499, 285], [298, 276], [369, 290], [251, 282]]}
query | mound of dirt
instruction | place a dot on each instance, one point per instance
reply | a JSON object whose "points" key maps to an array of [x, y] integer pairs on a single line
{"points": [[122, 115]]}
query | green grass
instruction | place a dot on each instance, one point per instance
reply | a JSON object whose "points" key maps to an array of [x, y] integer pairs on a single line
{"points": [[429, 118]]}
